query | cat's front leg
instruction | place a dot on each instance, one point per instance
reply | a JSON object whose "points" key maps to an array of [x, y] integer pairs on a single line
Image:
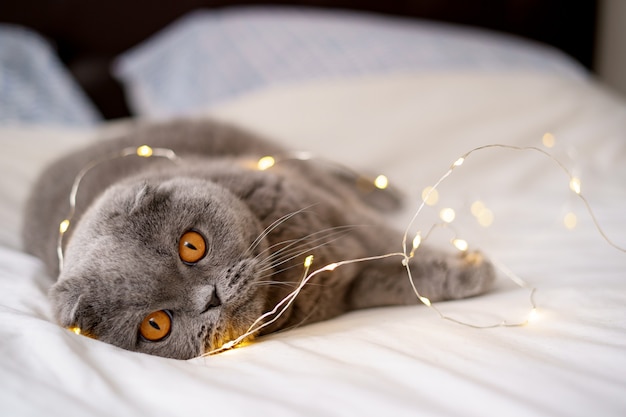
{"points": [[437, 276]]}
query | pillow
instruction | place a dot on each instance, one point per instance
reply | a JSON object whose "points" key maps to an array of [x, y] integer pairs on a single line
{"points": [[211, 56], [35, 88]]}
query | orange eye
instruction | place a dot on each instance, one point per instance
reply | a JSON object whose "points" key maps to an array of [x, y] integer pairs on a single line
{"points": [[156, 326], [191, 247]]}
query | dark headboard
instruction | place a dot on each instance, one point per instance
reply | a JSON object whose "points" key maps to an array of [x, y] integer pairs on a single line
{"points": [[89, 34]]}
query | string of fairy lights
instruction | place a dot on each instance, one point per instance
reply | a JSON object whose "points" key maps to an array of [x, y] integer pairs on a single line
{"points": [[430, 197]]}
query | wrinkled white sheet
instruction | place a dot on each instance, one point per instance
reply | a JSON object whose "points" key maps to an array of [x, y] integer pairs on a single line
{"points": [[401, 361]]}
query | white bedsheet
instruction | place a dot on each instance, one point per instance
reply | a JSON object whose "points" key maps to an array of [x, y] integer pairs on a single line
{"points": [[401, 361]]}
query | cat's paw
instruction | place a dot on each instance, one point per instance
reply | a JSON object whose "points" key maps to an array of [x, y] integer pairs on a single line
{"points": [[472, 274]]}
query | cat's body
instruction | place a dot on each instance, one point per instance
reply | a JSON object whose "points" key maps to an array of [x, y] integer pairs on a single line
{"points": [[123, 258]]}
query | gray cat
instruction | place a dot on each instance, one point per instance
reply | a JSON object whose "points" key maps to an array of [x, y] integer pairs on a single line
{"points": [[176, 258]]}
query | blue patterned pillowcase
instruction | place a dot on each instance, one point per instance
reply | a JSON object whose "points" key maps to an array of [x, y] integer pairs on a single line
{"points": [[211, 56], [35, 88]]}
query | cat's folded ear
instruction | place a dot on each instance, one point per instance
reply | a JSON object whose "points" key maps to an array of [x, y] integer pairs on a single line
{"points": [[72, 307], [147, 197], [67, 300], [143, 195]]}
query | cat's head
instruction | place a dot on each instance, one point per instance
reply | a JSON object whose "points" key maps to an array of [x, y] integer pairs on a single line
{"points": [[168, 269]]}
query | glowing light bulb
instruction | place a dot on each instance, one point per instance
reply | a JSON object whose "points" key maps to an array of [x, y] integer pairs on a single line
{"points": [[574, 185], [447, 215], [75, 329], [65, 224], [483, 215], [381, 182], [477, 207], [425, 300], [228, 345], [460, 244], [266, 162], [548, 140], [308, 261], [430, 196], [459, 162], [331, 267], [485, 218], [570, 220], [417, 241], [533, 315], [144, 151]]}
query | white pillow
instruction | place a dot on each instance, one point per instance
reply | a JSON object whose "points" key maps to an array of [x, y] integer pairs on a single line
{"points": [[211, 56], [35, 88]]}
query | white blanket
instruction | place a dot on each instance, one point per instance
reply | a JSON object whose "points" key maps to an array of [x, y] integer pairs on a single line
{"points": [[402, 361]]}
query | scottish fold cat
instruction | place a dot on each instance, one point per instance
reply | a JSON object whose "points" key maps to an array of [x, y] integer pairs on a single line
{"points": [[176, 257]]}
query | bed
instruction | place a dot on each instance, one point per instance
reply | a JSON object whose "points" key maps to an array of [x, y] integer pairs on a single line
{"points": [[408, 113]]}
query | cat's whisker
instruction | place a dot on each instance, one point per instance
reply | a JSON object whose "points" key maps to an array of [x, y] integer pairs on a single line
{"points": [[285, 244], [329, 231], [289, 252], [265, 278], [291, 256], [282, 261], [296, 254], [280, 271], [275, 272], [270, 283], [273, 226], [277, 258], [281, 245]]}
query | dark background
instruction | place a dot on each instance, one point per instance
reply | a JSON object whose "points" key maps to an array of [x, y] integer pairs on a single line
{"points": [[88, 34]]}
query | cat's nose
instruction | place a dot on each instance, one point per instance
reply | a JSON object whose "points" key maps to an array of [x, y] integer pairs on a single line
{"points": [[213, 301]]}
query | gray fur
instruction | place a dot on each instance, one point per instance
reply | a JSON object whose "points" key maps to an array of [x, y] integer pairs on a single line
{"points": [[121, 254]]}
